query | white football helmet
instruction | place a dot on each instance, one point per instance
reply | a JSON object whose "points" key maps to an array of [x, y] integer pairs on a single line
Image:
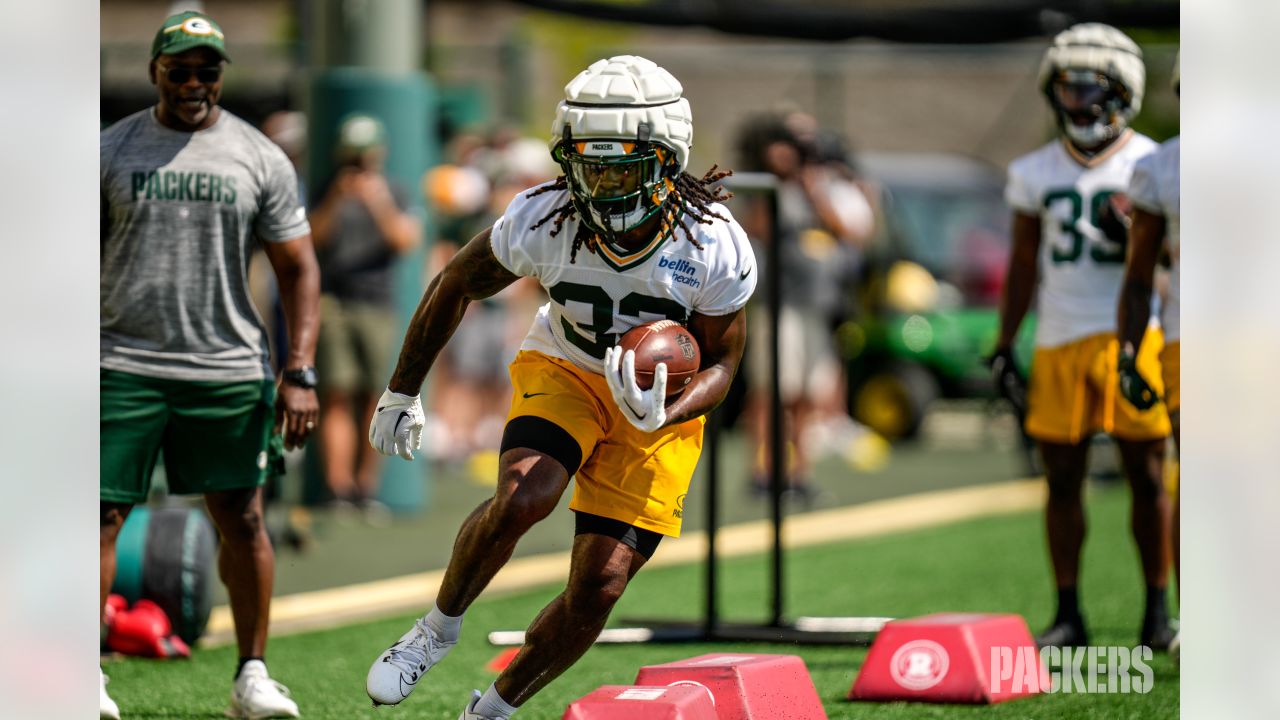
{"points": [[1094, 78], [622, 135]]}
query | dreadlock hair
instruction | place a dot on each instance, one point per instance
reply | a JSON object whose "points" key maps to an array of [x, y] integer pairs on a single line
{"points": [[690, 197]]}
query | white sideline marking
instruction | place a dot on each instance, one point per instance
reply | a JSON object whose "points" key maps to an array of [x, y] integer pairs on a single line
{"points": [[372, 600]]}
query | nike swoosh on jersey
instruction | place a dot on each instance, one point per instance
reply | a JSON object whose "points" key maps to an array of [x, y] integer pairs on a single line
{"points": [[746, 272], [529, 395]]}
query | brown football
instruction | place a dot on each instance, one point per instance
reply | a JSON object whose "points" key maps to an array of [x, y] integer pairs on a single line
{"points": [[663, 341]]}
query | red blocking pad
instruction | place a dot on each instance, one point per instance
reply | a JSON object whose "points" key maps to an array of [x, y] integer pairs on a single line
{"points": [[745, 687], [952, 658], [639, 702]]}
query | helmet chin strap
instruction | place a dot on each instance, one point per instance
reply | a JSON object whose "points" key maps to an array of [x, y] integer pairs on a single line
{"points": [[1089, 138], [619, 223]]}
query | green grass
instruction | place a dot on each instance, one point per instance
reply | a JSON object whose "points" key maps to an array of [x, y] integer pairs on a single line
{"points": [[990, 565]]}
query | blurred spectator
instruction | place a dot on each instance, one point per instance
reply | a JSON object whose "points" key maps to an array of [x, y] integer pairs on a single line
{"points": [[361, 225], [288, 130], [824, 220], [470, 388]]}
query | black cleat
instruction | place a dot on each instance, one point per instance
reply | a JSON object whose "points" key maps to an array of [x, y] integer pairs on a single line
{"points": [[1157, 636], [1063, 633]]}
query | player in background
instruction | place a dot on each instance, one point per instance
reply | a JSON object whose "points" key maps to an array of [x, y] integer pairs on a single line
{"points": [[1154, 191], [623, 237], [1068, 246], [188, 191]]}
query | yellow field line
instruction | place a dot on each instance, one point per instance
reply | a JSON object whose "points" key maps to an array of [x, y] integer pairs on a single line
{"points": [[366, 601]]}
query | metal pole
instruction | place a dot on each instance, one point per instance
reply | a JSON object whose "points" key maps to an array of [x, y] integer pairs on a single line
{"points": [[711, 613], [777, 465]]}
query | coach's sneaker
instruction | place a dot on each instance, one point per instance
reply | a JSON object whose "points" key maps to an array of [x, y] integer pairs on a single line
{"points": [[1064, 633], [107, 708], [255, 695], [398, 669], [469, 712]]}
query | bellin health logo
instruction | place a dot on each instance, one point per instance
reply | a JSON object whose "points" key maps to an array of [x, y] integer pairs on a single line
{"points": [[682, 271]]}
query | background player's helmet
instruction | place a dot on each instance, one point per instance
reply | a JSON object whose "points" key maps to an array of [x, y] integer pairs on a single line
{"points": [[1094, 79], [622, 136]]}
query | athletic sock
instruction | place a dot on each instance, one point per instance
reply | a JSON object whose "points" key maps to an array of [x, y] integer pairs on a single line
{"points": [[1156, 611], [243, 661], [491, 704], [445, 627], [1068, 605]]}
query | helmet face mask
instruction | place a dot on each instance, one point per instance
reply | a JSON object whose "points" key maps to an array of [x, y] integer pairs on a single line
{"points": [[616, 185], [1090, 106]]}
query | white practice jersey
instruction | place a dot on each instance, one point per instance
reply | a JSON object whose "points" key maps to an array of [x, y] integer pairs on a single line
{"points": [[1080, 271], [601, 295], [1155, 188]]}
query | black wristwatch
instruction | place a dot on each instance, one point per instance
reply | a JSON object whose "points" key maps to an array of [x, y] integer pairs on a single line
{"points": [[303, 377]]}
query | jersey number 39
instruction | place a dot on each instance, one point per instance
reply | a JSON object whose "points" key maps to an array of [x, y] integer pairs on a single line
{"points": [[1103, 251]]}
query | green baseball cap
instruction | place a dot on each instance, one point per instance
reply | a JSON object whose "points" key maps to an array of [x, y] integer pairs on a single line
{"points": [[185, 31]]}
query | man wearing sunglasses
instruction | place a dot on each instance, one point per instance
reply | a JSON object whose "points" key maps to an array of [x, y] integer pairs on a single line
{"points": [[188, 192]]}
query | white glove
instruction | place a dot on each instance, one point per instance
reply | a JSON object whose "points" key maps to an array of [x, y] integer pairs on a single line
{"points": [[646, 409], [396, 428]]}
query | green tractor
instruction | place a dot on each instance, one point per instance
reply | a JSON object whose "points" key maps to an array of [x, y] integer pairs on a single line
{"points": [[931, 287]]}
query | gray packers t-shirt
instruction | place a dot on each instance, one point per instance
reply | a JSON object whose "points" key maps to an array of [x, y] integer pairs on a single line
{"points": [[181, 213]]}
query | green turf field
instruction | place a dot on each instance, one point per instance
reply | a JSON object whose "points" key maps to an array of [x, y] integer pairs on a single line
{"points": [[991, 565]]}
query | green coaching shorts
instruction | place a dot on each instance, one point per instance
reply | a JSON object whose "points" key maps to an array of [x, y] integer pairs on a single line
{"points": [[215, 435]]}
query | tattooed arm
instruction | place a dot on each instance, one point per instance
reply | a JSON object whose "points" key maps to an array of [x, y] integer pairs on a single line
{"points": [[473, 274]]}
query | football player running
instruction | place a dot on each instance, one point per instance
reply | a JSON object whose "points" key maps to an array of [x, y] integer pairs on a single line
{"points": [[1155, 192], [624, 236], [1069, 244]]}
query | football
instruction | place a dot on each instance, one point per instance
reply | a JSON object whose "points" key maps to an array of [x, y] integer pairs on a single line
{"points": [[663, 341]]}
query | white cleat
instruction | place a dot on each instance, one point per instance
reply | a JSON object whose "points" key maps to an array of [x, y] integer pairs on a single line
{"points": [[255, 695], [400, 667], [1175, 650], [107, 708], [468, 713]]}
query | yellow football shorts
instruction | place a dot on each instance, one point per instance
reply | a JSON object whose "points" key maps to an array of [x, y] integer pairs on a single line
{"points": [[1074, 392], [636, 477], [1170, 366]]}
